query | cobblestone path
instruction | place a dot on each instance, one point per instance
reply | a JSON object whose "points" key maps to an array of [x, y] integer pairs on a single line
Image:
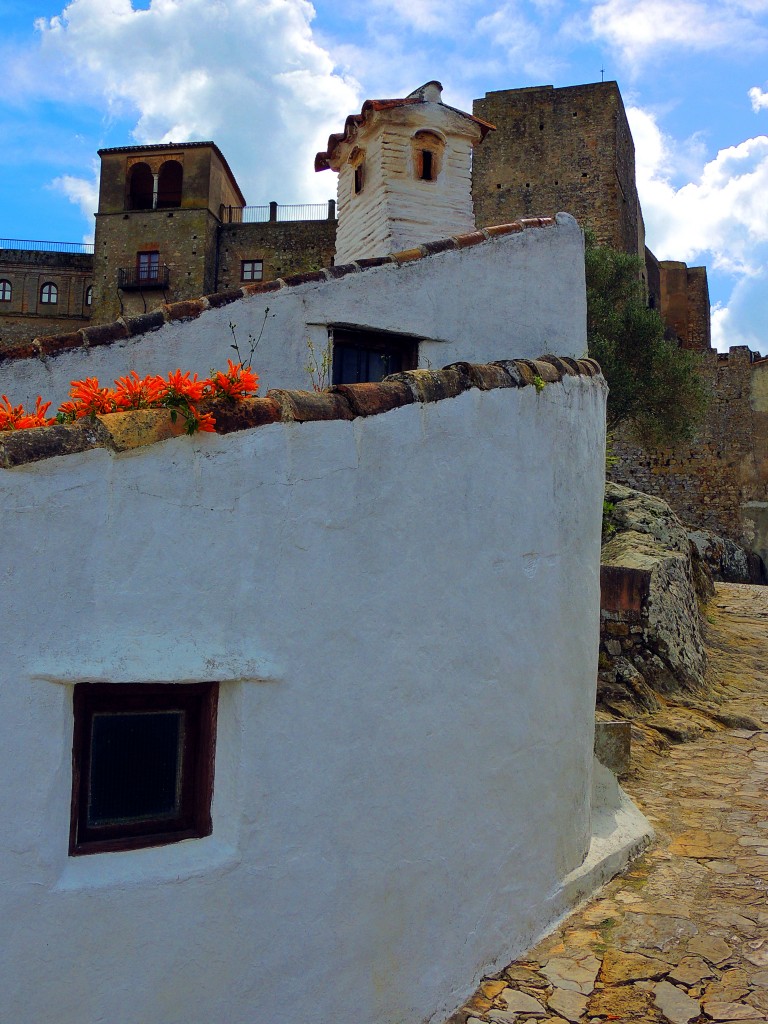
{"points": [[682, 936]]}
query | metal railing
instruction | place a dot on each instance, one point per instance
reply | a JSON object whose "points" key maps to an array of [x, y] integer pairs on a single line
{"points": [[143, 277], [30, 245], [275, 213]]}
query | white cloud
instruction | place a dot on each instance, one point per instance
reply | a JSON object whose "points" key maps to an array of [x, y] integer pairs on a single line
{"points": [[719, 218], [642, 29], [722, 214], [248, 75], [83, 192], [759, 98]]}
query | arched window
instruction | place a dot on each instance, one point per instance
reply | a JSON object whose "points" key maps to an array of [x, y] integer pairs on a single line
{"points": [[141, 184], [169, 185], [5, 291], [49, 294], [89, 295], [427, 154]]}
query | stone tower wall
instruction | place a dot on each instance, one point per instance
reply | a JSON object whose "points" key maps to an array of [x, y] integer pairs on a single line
{"points": [[560, 149]]}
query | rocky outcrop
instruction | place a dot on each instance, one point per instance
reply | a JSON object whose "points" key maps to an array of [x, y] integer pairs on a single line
{"points": [[727, 562], [651, 580]]}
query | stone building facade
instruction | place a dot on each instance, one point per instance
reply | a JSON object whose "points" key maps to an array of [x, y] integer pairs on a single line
{"points": [[43, 292], [172, 224]]}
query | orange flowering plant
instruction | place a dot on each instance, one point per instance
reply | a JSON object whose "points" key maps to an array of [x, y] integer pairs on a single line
{"points": [[179, 392], [15, 417]]}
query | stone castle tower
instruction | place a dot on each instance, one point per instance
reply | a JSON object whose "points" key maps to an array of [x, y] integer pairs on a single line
{"points": [[560, 149], [156, 226], [404, 169]]}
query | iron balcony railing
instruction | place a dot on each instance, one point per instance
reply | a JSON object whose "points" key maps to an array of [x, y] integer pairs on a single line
{"points": [[275, 213], [143, 277], [30, 245]]}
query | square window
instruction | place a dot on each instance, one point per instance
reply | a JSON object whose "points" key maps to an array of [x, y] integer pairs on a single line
{"points": [[251, 270], [142, 764]]}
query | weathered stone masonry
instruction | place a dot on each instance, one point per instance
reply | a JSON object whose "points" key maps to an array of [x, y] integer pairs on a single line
{"points": [[718, 481]]}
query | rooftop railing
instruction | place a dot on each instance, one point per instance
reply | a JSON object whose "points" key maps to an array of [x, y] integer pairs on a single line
{"points": [[34, 245], [275, 213]]}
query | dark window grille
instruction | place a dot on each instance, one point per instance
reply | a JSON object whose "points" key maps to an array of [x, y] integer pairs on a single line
{"points": [[142, 764], [369, 356]]}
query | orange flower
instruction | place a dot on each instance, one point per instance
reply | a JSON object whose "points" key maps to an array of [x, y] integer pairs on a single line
{"points": [[89, 399], [36, 418], [182, 388], [15, 417], [134, 392], [237, 383]]}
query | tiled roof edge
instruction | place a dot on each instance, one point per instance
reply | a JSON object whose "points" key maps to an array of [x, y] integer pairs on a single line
{"points": [[123, 431], [50, 345]]}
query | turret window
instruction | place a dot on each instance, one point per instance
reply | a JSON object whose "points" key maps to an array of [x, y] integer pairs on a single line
{"points": [[357, 160], [427, 155]]}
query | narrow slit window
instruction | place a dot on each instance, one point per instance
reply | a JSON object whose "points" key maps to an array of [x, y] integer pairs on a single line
{"points": [[427, 173]]}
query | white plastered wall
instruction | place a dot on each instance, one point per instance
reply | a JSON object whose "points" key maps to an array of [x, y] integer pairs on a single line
{"points": [[403, 611], [518, 295]]}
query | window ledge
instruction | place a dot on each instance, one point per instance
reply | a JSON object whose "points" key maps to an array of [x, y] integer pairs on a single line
{"points": [[175, 862]]}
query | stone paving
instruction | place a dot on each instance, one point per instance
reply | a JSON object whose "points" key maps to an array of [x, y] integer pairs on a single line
{"points": [[682, 935]]}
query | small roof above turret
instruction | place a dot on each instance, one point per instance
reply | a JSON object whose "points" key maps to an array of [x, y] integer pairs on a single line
{"points": [[430, 92]]}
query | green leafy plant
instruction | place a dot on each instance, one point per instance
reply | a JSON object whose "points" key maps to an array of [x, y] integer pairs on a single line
{"points": [[655, 386], [539, 383]]}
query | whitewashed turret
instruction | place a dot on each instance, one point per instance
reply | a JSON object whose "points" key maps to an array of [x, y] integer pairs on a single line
{"points": [[404, 169]]}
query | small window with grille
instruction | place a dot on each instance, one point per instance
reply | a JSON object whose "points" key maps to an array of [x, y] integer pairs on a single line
{"points": [[142, 764]]}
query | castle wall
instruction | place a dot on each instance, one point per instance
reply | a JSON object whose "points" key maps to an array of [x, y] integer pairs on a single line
{"points": [[565, 149], [285, 247], [402, 780], [685, 303], [719, 480]]}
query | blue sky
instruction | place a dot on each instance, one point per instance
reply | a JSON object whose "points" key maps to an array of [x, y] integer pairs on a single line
{"points": [[268, 80]]}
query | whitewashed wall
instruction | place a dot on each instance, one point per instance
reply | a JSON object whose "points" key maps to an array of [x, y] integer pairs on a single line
{"points": [[403, 611], [518, 295]]}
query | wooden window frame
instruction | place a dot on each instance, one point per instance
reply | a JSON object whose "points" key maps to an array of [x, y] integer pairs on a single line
{"points": [[250, 268], [49, 294], [148, 272], [199, 703]]}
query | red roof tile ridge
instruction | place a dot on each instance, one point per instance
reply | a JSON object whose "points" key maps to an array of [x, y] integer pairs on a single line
{"points": [[124, 431], [46, 346], [353, 121]]}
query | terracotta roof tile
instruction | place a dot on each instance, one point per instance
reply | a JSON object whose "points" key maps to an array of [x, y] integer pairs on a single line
{"points": [[353, 122], [126, 430]]}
